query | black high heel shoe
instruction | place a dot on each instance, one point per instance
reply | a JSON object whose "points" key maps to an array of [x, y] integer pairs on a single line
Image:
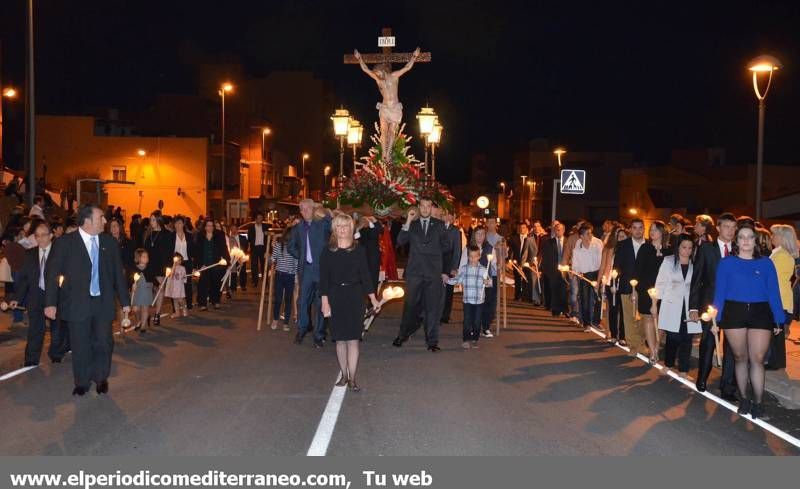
{"points": [[353, 386], [744, 407], [156, 319], [757, 410], [343, 381]]}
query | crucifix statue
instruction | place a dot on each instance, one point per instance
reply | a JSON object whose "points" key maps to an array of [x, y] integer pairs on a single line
{"points": [[390, 110]]}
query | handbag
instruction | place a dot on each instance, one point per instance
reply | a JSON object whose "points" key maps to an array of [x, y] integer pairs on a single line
{"points": [[5, 271]]}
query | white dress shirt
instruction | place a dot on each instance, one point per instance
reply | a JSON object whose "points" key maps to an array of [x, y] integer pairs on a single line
{"points": [[636, 246], [181, 246], [585, 260], [44, 254], [259, 235], [721, 245]]}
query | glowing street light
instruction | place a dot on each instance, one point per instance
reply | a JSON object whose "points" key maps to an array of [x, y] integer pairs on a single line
{"points": [[355, 132], [304, 157], [341, 124], [427, 119], [325, 172], [764, 64], [434, 138], [141, 152], [9, 92]]}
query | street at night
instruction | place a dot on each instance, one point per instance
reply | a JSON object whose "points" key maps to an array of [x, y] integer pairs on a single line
{"points": [[213, 385]]}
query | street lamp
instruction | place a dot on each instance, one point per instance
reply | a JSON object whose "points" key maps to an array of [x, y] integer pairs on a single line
{"points": [[355, 131], [434, 138], [304, 157], [226, 87], [325, 173], [522, 198], [427, 119], [141, 152], [8, 93], [761, 64], [264, 133], [341, 124], [556, 181], [531, 189]]}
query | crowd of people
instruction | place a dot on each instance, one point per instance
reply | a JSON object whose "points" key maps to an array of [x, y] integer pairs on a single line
{"points": [[650, 290]]}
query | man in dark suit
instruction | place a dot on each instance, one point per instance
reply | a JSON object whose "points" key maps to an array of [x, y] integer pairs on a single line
{"points": [[701, 294], [424, 274], [626, 257], [522, 248], [31, 284], [306, 242], [93, 281], [552, 253], [257, 242], [368, 234], [452, 255]]}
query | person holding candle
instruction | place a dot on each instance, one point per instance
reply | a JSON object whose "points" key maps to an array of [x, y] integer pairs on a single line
{"points": [[672, 287], [93, 282], [159, 243], [176, 287], [474, 278], [747, 299], [707, 258], [552, 253], [648, 265], [143, 276], [586, 261], [609, 277], [210, 248], [452, 253], [344, 281], [626, 258]]}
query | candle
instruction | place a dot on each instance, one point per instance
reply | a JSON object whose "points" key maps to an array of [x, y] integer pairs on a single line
{"points": [[653, 293], [60, 280], [614, 274]]}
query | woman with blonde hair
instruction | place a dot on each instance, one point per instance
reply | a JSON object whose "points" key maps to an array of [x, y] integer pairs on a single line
{"points": [[344, 280], [784, 254]]}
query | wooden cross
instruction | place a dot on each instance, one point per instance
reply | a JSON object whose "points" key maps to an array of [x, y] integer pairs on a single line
{"points": [[387, 56]]}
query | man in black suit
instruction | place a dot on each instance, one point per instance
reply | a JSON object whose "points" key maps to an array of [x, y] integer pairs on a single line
{"points": [[521, 249], [626, 257], [701, 294], [368, 234], [93, 280], [424, 274], [31, 284], [257, 241], [452, 255], [552, 253]]}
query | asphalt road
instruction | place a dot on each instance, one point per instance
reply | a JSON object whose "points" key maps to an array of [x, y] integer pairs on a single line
{"points": [[213, 385]]}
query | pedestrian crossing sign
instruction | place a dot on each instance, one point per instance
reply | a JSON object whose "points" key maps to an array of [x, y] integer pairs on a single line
{"points": [[573, 182]]}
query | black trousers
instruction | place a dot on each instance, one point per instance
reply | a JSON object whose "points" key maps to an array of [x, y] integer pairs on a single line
{"points": [[448, 302], [189, 266], [36, 326], [587, 298], [472, 320], [558, 294], [678, 344], [257, 260], [423, 296], [727, 382], [614, 307], [489, 309], [92, 345], [519, 287], [208, 286], [545, 292]]}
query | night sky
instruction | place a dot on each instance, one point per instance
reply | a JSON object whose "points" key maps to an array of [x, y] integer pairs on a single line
{"points": [[632, 76]]}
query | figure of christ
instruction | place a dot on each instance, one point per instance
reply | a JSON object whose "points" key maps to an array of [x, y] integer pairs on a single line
{"points": [[390, 111]]}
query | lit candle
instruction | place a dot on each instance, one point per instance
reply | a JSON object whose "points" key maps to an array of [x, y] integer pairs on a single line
{"points": [[60, 280]]}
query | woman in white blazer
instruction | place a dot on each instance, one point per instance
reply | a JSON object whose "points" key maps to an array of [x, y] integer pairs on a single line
{"points": [[672, 286]]}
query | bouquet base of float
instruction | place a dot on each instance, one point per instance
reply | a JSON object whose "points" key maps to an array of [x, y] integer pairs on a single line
{"points": [[385, 187]]}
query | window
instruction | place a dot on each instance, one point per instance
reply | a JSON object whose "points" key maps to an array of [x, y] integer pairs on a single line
{"points": [[119, 173]]}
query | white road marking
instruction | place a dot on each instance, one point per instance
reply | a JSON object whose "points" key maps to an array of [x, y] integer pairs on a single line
{"points": [[322, 438], [17, 372], [722, 402]]}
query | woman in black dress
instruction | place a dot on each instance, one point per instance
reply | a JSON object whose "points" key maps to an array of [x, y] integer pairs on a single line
{"points": [[159, 243], [651, 255], [344, 279]]}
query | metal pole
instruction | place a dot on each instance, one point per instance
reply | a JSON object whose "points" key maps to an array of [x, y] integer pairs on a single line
{"points": [[556, 181], [433, 161], [31, 119], [522, 199], [426, 155], [222, 158], [355, 159], [760, 157], [2, 161], [341, 157]]}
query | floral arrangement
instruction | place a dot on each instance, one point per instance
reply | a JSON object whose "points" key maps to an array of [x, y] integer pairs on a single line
{"points": [[387, 186]]}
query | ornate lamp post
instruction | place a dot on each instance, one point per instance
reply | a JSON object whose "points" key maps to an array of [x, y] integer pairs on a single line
{"points": [[434, 138], [341, 124], [304, 157], [427, 119], [325, 172], [522, 198], [767, 65], [8, 93], [355, 132]]}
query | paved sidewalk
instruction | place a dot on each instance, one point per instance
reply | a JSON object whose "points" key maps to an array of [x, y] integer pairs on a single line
{"points": [[785, 384]]}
